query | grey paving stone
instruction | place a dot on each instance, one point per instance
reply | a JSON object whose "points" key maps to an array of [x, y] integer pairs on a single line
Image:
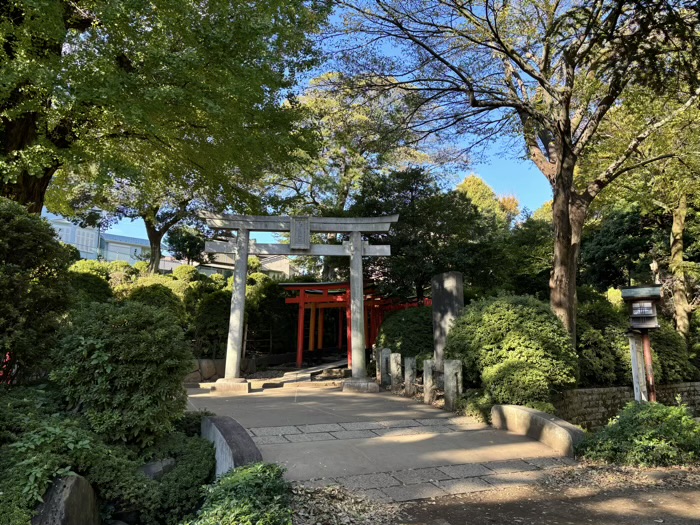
{"points": [[464, 420], [505, 467], [411, 492], [434, 421], [419, 475], [464, 486], [448, 429], [353, 434], [327, 427], [470, 470], [383, 432], [275, 431], [305, 438], [515, 478], [361, 425], [369, 481], [546, 463], [319, 483], [269, 440], [400, 423]]}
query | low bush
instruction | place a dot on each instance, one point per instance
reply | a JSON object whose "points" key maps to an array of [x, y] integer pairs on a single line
{"points": [[158, 296], [408, 332], [254, 495], [210, 325], [99, 268], [646, 434], [186, 273], [515, 348], [123, 367], [89, 288]]}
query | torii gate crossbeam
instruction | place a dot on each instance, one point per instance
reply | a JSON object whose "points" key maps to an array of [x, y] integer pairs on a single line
{"points": [[300, 229]]}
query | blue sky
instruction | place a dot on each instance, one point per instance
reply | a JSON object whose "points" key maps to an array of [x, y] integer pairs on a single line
{"points": [[507, 176]]}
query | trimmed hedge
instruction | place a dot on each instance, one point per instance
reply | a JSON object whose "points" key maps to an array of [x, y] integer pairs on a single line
{"points": [[122, 366], [515, 348], [409, 333]]}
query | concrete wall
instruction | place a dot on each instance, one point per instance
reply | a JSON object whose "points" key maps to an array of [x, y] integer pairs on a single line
{"points": [[592, 408], [234, 447]]}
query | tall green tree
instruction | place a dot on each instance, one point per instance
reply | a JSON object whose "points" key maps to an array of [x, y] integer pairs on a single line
{"points": [[545, 72], [201, 83], [504, 208], [437, 231]]}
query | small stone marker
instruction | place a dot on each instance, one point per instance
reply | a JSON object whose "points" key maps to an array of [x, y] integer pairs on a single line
{"points": [[395, 371], [384, 358], [448, 302], [428, 381], [409, 378], [453, 382]]}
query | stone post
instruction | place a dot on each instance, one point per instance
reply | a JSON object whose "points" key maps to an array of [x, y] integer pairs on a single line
{"points": [[384, 360], [232, 380], [395, 371], [448, 301], [453, 382], [428, 381], [409, 377]]}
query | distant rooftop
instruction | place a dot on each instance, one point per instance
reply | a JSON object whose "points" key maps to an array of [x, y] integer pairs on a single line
{"points": [[125, 240]]}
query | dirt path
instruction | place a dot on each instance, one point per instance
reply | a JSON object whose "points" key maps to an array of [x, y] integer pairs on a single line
{"points": [[580, 496]]}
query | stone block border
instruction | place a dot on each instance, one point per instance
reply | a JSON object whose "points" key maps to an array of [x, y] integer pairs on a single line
{"points": [[550, 430], [234, 446]]}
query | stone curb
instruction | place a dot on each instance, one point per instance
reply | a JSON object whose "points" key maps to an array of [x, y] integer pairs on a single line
{"points": [[554, 432], [234, 447]]}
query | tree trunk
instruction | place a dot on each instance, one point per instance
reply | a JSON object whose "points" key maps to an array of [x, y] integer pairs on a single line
{"points": [[155, 236], [29, 191], [420, 293], [569, 213], [681, 305]]}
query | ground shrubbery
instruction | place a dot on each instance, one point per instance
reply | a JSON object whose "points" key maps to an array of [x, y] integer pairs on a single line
{"points": [[409, 333], [646, 434], [40, 440], [256, 495], [515, 349], [122, 366]]}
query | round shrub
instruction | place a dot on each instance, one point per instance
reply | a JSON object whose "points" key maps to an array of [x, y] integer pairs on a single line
{"points": [[120, 266], [141, 267], [158, 296], [89, 288], [218, 280], [515, 382], [33, 291], [646, 434], [597, 356], [99, 268], [123, 367], [493, 333], [408, 332], [186, 273], [210, 325]]}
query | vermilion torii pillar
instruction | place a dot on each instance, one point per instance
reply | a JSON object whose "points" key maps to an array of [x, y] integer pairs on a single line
{"points": [[300, 229]]}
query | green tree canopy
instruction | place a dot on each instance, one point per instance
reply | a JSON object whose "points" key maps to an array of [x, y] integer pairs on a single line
{"points": [[200, 84]]}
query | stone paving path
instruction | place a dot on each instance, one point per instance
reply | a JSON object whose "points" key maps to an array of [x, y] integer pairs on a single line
{"points": [[414, 484], [360, 430], [384, 446]]}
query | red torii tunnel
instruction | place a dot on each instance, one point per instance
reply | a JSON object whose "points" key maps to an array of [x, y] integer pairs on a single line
{"points": [[317, 298]]}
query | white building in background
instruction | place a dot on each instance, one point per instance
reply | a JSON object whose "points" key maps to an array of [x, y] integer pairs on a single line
{"points": [[94, 244]]}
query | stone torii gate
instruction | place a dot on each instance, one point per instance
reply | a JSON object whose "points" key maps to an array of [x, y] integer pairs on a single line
{"points": [[300, 229]]}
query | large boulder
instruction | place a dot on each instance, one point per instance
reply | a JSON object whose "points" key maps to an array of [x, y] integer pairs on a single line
{"points": [[69, 501]]}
